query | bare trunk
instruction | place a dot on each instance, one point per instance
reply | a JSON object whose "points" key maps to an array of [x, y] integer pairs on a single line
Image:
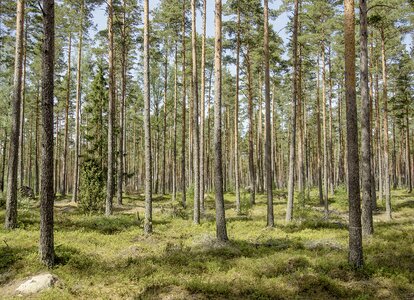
{"points": [[367, 222], [202, 102], [196, 161], [325, 134], [355, 234], [11, 197], [250, 114], [386, 159], [183, 128], [110, 184], [236, 118], [292, 147], [147, 126], [46, 249], [66, 138], [221, 229], [77, 113]]}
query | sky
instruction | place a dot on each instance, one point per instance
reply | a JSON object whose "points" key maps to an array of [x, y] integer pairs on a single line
{"points": [[100, 18]]}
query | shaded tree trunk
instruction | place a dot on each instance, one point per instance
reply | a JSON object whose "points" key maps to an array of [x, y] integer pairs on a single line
{"points": [[367, 222], [202, 102], [221, 230], [292, 147], [196, 161], [46, 250], [355, 235], [252, 171], [147, 126], [66, 138], [385, 139], [183, 128]]}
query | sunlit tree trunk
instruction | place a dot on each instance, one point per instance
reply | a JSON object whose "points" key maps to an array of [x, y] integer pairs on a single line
{"points": [[202, 102], [221, 229], [292, 146], [11, 197], [183, 122], [367, 223], [355, 235]]}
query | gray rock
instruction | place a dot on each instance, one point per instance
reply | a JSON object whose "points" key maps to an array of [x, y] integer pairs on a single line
{"points": [[36, 284]]}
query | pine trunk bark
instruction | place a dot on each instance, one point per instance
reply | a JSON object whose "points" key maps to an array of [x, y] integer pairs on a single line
{"points": [[66, 138], [11, 197], [183, 112], [236, 118], [221, 230], [387, 186], [292, 146], [355, 234], [367, 222], [110, 184], [196, 152], [147, 126], [252, 170], [47, 196], [202, 103]]}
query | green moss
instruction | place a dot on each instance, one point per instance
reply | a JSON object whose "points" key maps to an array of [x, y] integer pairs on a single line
{"points": [[100, 257]]}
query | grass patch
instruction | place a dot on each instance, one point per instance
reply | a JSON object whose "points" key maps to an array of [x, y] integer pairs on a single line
{"points": [[100, 257]]}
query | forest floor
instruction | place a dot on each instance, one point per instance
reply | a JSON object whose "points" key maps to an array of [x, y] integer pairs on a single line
{"points": [[111, 258]]}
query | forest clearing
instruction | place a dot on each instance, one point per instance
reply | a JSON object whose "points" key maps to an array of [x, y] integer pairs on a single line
{"points": [[200, 149]]}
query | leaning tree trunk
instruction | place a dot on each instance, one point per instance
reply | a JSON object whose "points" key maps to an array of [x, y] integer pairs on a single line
{"points": [[291, 182], [11, 198], [147, 126], [46, 250], [221, 229], [196, 162], [367, 224], [355, 234]]}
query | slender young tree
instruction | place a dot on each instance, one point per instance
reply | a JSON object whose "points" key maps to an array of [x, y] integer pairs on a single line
{"points": [[291, 182], [367, 224], [11, 198], [194, 81], [47, 195], [354, 198], [183, 128], [147, 126], [77, 109], [202, 104], [387, 187], [268, 146], [66, 136], [236, 115], [110, 185], [221, 229]]}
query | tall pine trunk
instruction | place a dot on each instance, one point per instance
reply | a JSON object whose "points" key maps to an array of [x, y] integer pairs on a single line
{"points": [[75, 183], [292, 147], [66, 137], [367, 223], [196, 161], [202, 108], [183, 108], [11, 197], [355, 234], [46, 250], [221, 229], [387, 185], [147, 126], [236, 118]]}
